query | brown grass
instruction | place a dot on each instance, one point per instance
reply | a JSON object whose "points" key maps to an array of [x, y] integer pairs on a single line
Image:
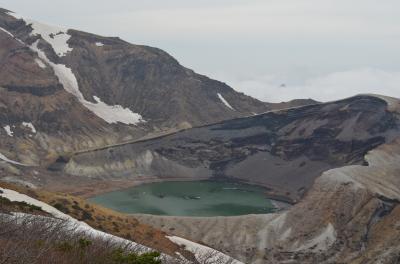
{"points": [[105, 220]]}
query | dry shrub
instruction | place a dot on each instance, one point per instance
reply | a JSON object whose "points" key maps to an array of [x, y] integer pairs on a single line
{"points": [[36, 239]]}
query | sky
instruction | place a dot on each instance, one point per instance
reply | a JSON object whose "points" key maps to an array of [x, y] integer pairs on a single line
{"points": [[274, 50]]}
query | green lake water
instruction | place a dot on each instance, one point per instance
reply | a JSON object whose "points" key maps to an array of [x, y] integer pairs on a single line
{"points": [[198, 198]]}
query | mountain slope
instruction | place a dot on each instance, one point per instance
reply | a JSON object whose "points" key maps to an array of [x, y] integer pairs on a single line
{"points": [[282, 150], [336, 162], [349, 215], [82, 91]]}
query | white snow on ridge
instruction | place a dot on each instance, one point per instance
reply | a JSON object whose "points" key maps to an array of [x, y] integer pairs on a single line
{"points": [[8, 130], [201, 252], [224, 101], [55, 36], [30, 126], [110, 114], [4, 158], [99, 44]]}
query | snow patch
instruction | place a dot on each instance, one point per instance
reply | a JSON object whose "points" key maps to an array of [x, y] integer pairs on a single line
{"points": [[55, 36], [113, 113], [201, 252], [224, 101], [64, 74], [80, 226], [30, 126], [99, 44], [7, 32], [14, 196], [40, 63], [4, 158], [110, 114], [8, 130], [11, 35]]}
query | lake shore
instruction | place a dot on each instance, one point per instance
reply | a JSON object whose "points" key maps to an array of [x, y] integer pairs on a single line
{"points": [[208, 198]]}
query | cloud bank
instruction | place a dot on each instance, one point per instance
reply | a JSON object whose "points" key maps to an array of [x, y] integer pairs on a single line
{"points": [[322, 49], [328, 87]]}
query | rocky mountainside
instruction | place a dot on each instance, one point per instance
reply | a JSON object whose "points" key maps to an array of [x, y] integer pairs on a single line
{"points": [[350, 215], [63, 90], [81, 113], [282, 150], [336, 162]]}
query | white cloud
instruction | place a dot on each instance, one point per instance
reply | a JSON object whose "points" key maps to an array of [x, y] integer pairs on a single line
{"points": [[310, 45], [332, 86]]}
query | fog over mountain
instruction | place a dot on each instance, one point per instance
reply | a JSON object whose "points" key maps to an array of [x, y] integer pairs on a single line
{"points": [[272, 50]]}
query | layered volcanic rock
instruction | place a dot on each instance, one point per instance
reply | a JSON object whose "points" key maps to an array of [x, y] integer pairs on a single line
{"points": [[283, 150], [350, 215], [339, 162]]}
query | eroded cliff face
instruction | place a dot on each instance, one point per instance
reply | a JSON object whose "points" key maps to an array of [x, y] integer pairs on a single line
{"points": [[283, 150], [349, 215], [338, 161]]}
